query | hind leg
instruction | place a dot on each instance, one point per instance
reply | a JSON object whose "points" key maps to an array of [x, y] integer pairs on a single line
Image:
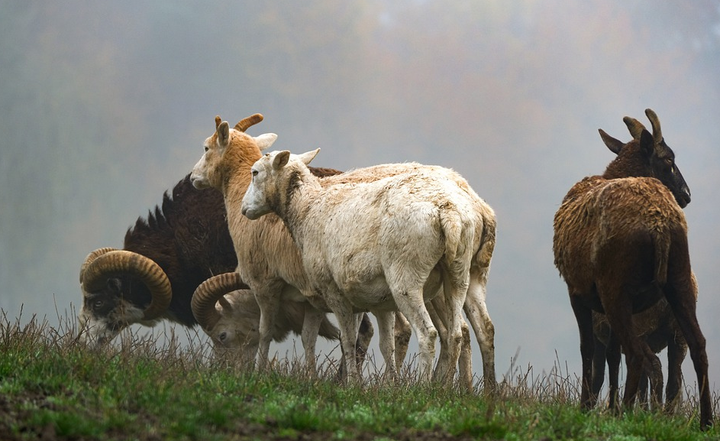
{"points": [[683, 304], [403, 331], [583, 316], [477, 313]]}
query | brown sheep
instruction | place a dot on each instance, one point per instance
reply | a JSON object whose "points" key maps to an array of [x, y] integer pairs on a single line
{"points": [[657, 325], [620, 244]]}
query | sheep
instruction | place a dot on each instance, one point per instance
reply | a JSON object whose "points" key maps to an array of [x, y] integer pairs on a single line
{"points": [[164, 259], [620, 244], [656, 325], [231, 320], [382, 245], [185, 241], [272, 262]]}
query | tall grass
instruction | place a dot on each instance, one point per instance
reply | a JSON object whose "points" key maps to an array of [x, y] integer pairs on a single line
{"points": [[52, 387]]}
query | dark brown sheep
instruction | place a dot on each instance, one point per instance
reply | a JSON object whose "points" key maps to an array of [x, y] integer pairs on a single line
{"points": [[620, 244], [657, 325]]}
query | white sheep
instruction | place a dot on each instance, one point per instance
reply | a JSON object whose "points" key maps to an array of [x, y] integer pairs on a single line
{"points": [[268, 260], [382, 245]]}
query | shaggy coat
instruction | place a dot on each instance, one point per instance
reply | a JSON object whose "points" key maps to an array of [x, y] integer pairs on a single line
{"points": [[620, 244], [384, 245]]}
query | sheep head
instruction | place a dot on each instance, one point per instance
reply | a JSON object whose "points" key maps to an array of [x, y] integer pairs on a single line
{"points": [[269, 174], [103, 279], [646, 155], [225, 309], [225, 146]]}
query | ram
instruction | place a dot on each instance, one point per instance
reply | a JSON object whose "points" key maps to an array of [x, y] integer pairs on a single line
{"points": [[382, 245], [657, 325], [620, 243]]}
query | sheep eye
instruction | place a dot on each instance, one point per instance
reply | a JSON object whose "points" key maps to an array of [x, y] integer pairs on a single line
{"points": [[206, 149], [98, 304], [254, 173], [222, 336]]}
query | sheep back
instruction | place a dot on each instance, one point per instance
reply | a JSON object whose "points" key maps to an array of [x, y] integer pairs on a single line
{"points": [[607, 217]]}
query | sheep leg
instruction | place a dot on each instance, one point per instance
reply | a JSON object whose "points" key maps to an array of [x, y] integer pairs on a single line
{"points": [[455, 290], [403, 331], [465, 374], [477, 313], [386, 326], [676, 354], [269, 302], [598, 363], [348, 322], [365, 334], [613, 356], [638, 356], [412, 306], [311, 326], [583, 316], [654, 379], [683, 304], [438, 313]]}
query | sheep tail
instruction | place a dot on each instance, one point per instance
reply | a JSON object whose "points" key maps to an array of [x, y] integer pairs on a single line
{"points": [[487, 244], [452, 231], [662, 255]]}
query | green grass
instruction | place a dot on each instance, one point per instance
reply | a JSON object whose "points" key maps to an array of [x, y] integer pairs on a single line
{"points": [[51, 387]]}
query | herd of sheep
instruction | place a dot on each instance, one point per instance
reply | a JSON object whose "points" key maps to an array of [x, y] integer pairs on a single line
{"points": [[253, 246]]}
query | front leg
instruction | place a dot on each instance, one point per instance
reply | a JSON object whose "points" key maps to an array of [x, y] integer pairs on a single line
{"points": [[311, 326], [269, 302], [348, 323]]}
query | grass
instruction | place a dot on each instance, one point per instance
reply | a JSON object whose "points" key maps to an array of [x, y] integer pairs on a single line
{"points": [[52, 387]]}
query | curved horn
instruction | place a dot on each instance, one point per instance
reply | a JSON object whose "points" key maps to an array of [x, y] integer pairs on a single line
{"points": [[91, 257], [248, 122], [208, 293], [657, 132], [123, 262], [634, 126]]}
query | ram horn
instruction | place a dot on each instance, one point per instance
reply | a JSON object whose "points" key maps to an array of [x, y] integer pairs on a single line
{"points": [[657, 131], [248, 122], [208, 293], [122, 262], [91, 257], [634, 126]]}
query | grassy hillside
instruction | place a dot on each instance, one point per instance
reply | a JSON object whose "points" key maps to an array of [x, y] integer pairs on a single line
{"points": [[51, 388]]}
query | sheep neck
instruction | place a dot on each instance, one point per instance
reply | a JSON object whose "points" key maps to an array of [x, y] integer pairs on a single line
{"points": [[236, 175], [301, 189], [629, 163]]}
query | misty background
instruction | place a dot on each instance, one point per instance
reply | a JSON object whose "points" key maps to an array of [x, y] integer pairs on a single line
{"points": [[105, 105]]}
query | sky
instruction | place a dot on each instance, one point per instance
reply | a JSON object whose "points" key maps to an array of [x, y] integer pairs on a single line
{"points": [[105, 105]]}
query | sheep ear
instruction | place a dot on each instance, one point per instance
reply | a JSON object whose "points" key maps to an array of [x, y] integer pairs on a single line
{"points": [[264, 141], [613, 144], [281, 159], [217, 121], [647, 143], [308, 156], [223, 134]]}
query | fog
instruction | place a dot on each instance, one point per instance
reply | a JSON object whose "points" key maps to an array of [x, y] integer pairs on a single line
{"points": [[105, 105]]}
